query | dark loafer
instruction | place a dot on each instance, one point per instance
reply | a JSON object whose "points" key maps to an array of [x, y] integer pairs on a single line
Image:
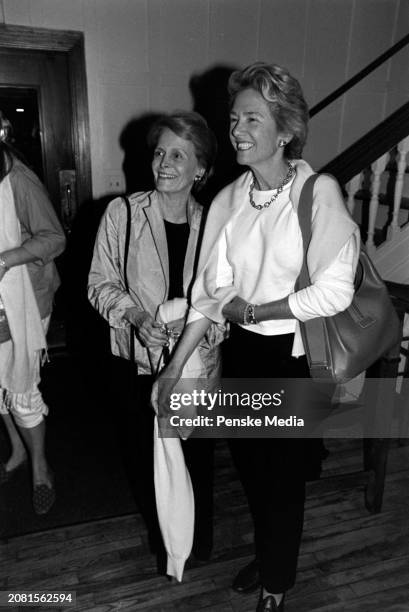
{"points": [[269, 604], [248, 578], [43, 498]]}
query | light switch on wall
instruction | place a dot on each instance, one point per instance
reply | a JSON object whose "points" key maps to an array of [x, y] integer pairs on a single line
{"points": [[114, 182]]}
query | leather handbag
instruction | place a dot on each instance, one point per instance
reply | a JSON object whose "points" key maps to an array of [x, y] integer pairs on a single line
{"points": [[340, 347]]}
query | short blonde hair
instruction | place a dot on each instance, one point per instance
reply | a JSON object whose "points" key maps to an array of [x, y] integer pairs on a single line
{"points": [[284, 96]]}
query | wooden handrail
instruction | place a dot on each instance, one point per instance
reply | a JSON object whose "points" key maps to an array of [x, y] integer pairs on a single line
{"points": [[360, 75], [370, 147]]}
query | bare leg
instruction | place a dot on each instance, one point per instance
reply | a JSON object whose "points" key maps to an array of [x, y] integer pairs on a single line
{"points": [[34, 437], [18, 451]]}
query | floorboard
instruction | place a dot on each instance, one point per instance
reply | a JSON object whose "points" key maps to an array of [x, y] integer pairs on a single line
{"points": [[350, 560]]}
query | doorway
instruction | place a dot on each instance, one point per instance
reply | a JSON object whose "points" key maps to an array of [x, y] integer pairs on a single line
{"points": [[47, 69], [20, 106], [40, 81], [43, 92]]}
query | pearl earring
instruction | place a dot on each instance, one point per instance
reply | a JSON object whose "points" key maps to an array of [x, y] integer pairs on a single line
{"points": [[282, 143]]}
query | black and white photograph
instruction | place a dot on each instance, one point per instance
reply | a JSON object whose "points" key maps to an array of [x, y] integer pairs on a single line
{"points": [[204, 305]]}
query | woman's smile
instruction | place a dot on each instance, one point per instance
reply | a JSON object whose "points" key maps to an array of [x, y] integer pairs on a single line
{"points": [[166, 175], [244, 146], [174, 164]]}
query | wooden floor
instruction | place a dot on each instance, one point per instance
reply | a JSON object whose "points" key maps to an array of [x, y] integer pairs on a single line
{"points": [[350, 560]]}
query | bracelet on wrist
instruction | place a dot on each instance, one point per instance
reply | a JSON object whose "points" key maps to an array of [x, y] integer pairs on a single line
{"points": [[3, 264], [245, 314], [249, 315]]}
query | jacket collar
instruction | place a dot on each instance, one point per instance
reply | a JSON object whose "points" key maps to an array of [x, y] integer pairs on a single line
{"points": [[149, 202], [149, 199]]}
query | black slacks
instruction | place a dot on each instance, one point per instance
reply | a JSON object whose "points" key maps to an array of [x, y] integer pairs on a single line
{"points": [[272, 470], [135, 421]]}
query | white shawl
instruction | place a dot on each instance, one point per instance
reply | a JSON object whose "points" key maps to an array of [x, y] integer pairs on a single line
{"points": [[17, 357], [173, 487]]}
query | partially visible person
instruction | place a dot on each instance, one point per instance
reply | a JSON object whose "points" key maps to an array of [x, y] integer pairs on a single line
{"points": [[31, 237], [165, 231], [250, 259]]}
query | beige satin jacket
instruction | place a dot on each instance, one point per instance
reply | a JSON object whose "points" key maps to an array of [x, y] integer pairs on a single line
{"points": [[147, 272]]}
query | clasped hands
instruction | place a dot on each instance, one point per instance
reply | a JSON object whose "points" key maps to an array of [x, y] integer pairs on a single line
{"points": [[168, 378], [153, 333]]}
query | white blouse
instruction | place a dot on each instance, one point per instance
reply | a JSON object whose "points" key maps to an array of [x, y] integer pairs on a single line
{"points": [[261, 253]]}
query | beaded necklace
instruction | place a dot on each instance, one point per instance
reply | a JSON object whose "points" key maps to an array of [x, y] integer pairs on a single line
{"points": [[286, 179]]}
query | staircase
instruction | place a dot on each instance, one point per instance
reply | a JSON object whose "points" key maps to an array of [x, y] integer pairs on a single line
{"points": [[377, 197], [374, 173]]}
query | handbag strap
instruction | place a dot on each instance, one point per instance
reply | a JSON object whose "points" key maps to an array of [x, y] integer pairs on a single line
{"points": [[127, 240], [313, 330], [304, 219], [126, 254], [197, 252]]}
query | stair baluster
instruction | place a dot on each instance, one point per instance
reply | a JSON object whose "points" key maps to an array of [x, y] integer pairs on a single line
{"points": [[403, 149], [377, 168], [351, 188]]}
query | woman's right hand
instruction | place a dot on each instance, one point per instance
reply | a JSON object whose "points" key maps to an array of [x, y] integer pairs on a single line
{"points": [[150, 332], [171, 374]]}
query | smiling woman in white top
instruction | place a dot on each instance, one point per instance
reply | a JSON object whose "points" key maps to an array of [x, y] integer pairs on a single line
{"points": [[250, 259]]}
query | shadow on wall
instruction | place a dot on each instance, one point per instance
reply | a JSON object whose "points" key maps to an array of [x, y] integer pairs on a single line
{"points": [[137, 156], [211, 100]]}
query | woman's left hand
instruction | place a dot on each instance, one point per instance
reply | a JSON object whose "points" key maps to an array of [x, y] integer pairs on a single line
{"points": [[162, 389], [234, 310]]}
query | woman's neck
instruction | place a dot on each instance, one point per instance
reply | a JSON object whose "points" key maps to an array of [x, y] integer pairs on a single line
{"points": [[173, 206], [271, 176]]}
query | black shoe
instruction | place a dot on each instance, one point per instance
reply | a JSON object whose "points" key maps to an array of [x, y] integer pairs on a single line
{"points": [[269, 604], [248, 578]]}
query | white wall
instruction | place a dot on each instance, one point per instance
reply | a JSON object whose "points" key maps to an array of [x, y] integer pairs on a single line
{"points": [[141, 54]]}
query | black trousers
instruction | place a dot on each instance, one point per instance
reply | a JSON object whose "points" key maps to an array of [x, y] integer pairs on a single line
{"points": [[272, 471], [135, 420]]}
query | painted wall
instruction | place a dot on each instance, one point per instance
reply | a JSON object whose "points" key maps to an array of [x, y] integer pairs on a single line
{"points": [[141, 55]]}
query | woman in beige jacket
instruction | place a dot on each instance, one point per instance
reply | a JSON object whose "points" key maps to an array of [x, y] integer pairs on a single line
{"points": [[165, 230]]}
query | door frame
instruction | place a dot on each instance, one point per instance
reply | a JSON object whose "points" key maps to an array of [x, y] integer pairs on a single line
{"points": [[72, 44]]}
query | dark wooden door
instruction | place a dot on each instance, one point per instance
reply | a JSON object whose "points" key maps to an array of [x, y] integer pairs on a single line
{"points": [[47, 74]]}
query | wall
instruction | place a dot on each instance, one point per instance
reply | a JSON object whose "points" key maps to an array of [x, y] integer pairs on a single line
{"points": [[141, 54]]}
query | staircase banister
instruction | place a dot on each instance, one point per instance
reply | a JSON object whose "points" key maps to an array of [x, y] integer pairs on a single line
{"points": [[370, 147], [360, 75]]}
